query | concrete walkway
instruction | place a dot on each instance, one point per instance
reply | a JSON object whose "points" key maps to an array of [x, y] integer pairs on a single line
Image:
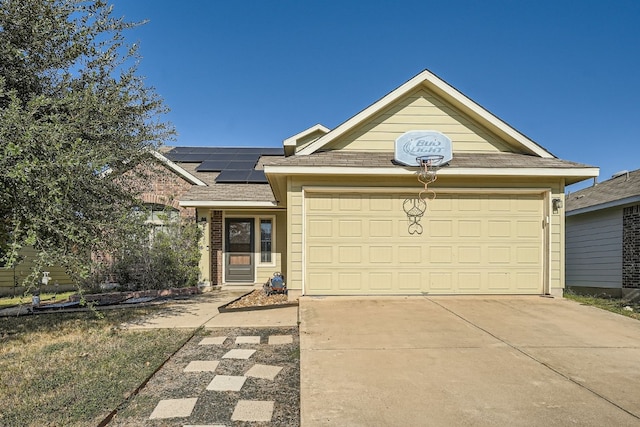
{"points": [[202, 310], [467, 361]]}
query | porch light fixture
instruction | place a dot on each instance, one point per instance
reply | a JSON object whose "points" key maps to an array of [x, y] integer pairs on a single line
{"points": [[557, 204]]}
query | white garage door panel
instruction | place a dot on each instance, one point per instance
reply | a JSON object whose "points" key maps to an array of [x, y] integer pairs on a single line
{"points": [[471, 244]]}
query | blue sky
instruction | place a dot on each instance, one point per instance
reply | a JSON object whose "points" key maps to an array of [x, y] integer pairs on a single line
{"points": [[252, 73]]}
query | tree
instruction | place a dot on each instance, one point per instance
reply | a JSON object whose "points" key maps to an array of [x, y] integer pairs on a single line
{"points": [[76, 124]]}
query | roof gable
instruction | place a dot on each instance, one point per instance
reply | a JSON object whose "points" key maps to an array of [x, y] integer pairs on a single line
{"points": [[177, 169], [304, 138], [426, 101]]}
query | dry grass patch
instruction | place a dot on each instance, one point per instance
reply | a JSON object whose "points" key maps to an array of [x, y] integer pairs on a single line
{"points": [[615, 305], [72, 369], [26, 298]]}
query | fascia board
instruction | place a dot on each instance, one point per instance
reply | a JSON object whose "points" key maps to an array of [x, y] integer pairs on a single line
{"points": [[293, 140], [334, 170], [443, 89], [278, 187], [602, 206], [177, 169]]}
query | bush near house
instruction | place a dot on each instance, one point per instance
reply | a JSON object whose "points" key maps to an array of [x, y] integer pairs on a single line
{"points": [[155, 257]]}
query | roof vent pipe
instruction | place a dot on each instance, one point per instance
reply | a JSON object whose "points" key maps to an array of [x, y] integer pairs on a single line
{"points": [[617, 174]]}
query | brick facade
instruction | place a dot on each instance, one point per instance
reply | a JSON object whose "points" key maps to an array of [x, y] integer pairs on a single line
{"points": [[631, 247], [216, 247], [165, 187]]}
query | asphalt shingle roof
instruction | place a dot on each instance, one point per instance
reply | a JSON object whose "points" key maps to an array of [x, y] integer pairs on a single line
{"points": [[262, 192], [460, 160], [611, 190]]}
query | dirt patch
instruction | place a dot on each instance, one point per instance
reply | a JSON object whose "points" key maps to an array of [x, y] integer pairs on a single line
{"points": [[216, 407]]}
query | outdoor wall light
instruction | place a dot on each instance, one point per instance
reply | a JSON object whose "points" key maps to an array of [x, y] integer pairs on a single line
{"points": [[557, 204]]}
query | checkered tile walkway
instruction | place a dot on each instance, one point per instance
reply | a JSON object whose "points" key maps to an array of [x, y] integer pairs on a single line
{"points": [[245, 410]]}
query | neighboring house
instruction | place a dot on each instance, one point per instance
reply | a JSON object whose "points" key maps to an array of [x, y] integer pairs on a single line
{"points": [[11, 278], [603, 236], [332, 209]]}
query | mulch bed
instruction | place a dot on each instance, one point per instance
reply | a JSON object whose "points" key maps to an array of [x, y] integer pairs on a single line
{"points": [[257, 300]]}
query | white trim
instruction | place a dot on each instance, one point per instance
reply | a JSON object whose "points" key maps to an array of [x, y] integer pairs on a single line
{"points": [[177, 169], [293, 140], [337, 170], [431, 80], [259, 219], [607, 205], [405, 190], [226, 204], [303, 269], [547, 261]]}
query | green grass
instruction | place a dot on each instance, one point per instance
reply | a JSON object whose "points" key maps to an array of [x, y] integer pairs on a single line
{"points": [[72, 369], [26, 299], [615, 305]]}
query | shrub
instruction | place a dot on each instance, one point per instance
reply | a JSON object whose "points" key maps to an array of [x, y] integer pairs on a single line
{"points": [[156, 257]]}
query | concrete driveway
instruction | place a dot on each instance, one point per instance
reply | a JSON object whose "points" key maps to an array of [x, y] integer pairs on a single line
{"points": [[467, 361]]}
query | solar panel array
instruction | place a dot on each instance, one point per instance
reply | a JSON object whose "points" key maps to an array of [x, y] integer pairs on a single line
{"points": [[236, 165]]}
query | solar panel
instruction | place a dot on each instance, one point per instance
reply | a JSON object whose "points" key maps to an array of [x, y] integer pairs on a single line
{"points": [[233, 176], [235, 164], [242, 165], [257, 177], [187, 157], [213, 166]]}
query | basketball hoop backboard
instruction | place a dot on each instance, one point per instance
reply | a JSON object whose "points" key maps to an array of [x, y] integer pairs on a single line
{"points": [[416, 144]]}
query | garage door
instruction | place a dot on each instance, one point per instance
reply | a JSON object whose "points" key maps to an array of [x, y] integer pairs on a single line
{"points": [[359, 244]]}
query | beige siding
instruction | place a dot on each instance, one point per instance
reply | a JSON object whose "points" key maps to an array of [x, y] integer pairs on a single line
{"points": [[294, 220], [308, 139], [420, 111], [8, 275], [556, 243], [265, 271]]}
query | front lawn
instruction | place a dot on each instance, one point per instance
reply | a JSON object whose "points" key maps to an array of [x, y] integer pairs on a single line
{"points": [[26, 299], [73, 369], [615, 305]]}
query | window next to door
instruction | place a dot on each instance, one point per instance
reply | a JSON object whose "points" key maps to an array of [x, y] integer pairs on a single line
{"points": [[266, 240]]}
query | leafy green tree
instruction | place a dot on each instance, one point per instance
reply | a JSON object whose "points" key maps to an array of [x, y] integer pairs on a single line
{"points": [[76, 124]]}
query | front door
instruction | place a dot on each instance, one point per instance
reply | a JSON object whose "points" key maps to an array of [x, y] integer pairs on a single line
{"points": [[239, 253]]}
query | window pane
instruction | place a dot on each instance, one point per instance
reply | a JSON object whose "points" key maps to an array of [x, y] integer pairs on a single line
{"points": [[265, 240]]}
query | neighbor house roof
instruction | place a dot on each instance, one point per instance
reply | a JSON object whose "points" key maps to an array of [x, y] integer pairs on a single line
{"points": [[621, 189]]}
